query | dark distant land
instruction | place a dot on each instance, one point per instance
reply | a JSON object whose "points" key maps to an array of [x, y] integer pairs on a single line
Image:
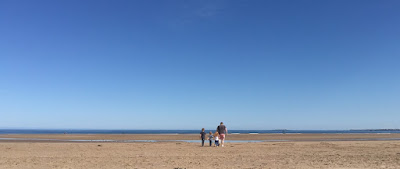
{"points": [[375, 129]]}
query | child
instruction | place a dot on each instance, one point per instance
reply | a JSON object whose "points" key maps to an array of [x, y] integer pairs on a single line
{"points": [[210, 137], [202, 136], [216, 135]]}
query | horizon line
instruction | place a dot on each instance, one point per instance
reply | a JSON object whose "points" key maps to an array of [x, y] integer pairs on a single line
{"points": [[184, 129]]}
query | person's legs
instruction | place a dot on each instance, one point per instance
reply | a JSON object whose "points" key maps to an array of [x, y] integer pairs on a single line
{"points": [[210, 142], [202, 142], [222, 138]]}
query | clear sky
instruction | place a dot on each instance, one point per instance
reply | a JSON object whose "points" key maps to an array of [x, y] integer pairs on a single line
{"points": [[183, 64]]}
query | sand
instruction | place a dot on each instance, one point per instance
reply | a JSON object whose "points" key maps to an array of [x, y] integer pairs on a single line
{"points": [[291, 154], [289, 137]]}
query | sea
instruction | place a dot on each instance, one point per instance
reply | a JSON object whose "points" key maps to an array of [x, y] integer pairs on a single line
{"points": [[92, 131]]}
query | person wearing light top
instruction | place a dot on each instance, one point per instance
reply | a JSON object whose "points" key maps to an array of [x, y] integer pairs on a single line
{"points": [[216, 138], [210, 137]]}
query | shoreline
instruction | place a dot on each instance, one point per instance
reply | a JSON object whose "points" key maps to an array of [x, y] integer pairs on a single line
{"points": [[127, 138]]}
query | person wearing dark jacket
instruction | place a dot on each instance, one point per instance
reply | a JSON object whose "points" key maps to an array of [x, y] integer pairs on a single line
{"points": [[202, 136]]}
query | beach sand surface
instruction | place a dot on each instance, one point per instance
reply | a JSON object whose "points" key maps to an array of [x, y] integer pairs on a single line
{"points": [[272, 137], [293, 154]]}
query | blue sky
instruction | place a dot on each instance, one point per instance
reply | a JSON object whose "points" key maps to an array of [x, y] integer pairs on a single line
{"points": [[183, 64]]}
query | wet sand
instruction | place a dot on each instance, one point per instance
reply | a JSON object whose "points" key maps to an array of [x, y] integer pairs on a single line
{"points": [[292, 154], [288, 137]]}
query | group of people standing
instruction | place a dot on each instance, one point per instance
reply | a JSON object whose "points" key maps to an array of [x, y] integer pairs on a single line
{"points": [[219, 135]]}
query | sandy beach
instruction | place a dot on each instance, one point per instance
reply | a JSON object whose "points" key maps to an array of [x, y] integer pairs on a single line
{"points": [[266, 137], [289, 154]]}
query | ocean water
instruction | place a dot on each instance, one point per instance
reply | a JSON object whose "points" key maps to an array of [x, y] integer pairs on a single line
{"points": [[132, 141], [76, 131], [191, 141]]}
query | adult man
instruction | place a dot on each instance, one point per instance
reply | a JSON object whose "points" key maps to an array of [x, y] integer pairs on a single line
{"points": [[223, 131]]}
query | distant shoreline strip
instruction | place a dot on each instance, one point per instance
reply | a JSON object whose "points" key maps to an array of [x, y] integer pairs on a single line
{"points": [[189, 141]]}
